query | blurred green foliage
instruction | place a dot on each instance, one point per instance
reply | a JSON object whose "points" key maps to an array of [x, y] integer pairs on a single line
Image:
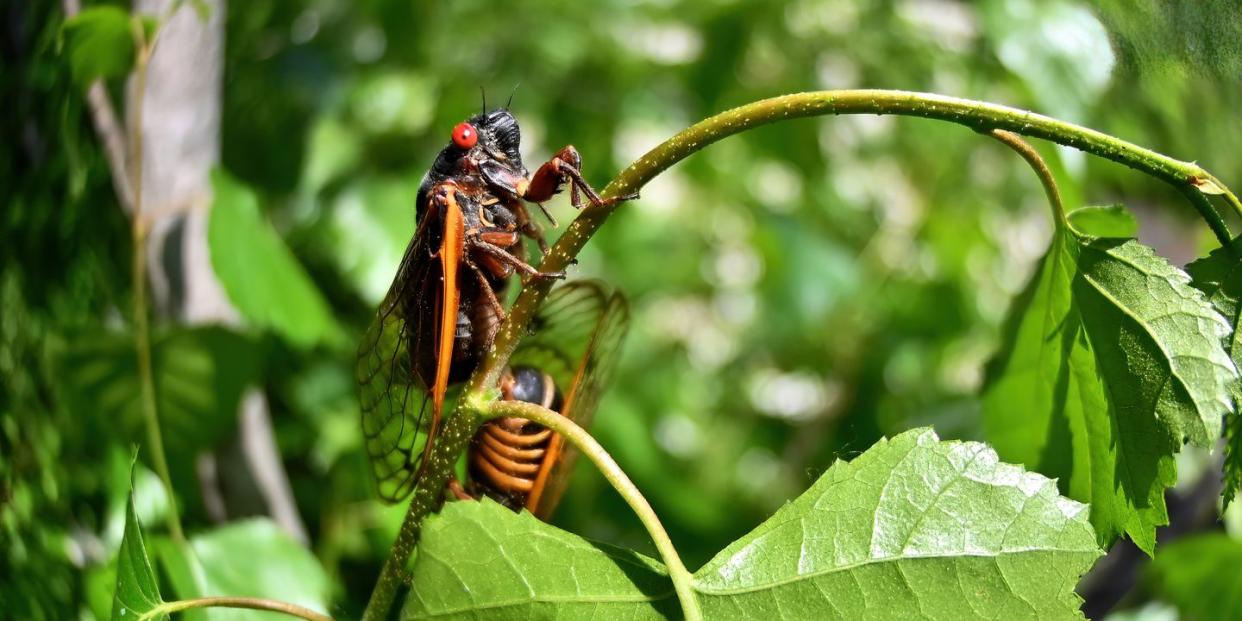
{"points": [[797, 292]]}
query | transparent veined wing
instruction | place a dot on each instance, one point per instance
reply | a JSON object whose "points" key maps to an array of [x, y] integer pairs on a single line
{"points": [[392, 381], [576, 338]]}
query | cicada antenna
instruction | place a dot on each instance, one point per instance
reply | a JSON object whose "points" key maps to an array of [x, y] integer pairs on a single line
{"points": [[509, 102], [483, 95]]}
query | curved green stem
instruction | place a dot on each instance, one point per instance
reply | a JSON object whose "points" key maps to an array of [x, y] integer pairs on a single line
{"points": [[683, 581], [1037, 163], [248, 603], [142, 328], [1188, 177]]}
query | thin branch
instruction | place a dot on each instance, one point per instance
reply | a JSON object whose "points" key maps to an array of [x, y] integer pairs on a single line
{"points": [[248, 603], [683, 581], [142, 328], [111, 134], [1037, 163], [980, 116], [1187, 177]]}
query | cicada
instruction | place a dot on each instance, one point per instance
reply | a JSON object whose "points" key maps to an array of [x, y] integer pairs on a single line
{"points": [[443, 306], [564, 366]]}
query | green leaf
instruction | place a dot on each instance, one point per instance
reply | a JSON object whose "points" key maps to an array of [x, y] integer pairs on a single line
{"points": [[371, 224], [913, 524], [137, 589], [479, 559], [260, 274], [1111, 360], [199, 373], [332, 150], [202, 9], [252, 558], [1103, 221], [1199, 575], [100, 43], [1219, 277]]}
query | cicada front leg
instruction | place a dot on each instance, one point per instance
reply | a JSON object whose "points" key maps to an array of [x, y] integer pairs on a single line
{"points": [[566, 167], [496, 256]]}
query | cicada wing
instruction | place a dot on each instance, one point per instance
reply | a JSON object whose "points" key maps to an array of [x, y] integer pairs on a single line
{"points": [[562, 330], [578, 334], [394, 394]]}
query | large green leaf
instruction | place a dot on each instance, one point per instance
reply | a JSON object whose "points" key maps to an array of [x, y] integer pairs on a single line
{"points": [[137, 589], [1200, 576], [479, 559], [1219, 276], [261, 276], [100, 43], [913, 524], [253, 558], [1110, 363], [199, 375], [912, 527]]}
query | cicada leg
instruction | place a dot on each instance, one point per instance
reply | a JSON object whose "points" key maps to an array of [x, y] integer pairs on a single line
{"points": [[458, 491], [566, 167]]}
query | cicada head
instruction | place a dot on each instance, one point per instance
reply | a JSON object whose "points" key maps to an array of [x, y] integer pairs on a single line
{"points": [[500, 135], [486, 146]]}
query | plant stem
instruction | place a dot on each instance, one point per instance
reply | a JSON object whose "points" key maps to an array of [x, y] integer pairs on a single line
{"points": [[1037, 163], [427, 496], [1192, 180], [683, 581], [1187, 177], [249, 603], [142, 329]]}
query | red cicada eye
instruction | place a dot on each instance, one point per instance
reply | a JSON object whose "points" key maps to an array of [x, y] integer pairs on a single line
{"points": [[465, 136]]}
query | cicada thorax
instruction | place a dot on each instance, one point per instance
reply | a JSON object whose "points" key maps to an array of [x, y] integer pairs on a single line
{"points": [[510, 458], [481, 278]]}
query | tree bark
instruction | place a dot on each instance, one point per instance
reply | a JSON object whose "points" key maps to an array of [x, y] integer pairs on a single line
{"points": [[180, 145]]}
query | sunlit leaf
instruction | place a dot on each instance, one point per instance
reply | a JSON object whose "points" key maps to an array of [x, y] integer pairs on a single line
{"points": [[913, 524], [332, 150], [100, 43], [1103, 221], [1199, 575], [252, 558], [261, 276], [137, 588], [1219, 277], [1111, 362], [371, 223], [481, 559]]}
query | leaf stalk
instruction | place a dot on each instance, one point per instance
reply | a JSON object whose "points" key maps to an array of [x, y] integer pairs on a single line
{"points": [[683, 581], [248, 603]]}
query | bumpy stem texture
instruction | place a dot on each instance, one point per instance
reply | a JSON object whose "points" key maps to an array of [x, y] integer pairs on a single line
{"points": [[1189, 178]]}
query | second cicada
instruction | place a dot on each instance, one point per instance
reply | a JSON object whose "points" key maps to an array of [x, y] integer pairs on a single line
{"points": [[564, 366]]}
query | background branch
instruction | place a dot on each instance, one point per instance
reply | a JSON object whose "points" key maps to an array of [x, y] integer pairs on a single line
{"points": [[108, 128]]}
